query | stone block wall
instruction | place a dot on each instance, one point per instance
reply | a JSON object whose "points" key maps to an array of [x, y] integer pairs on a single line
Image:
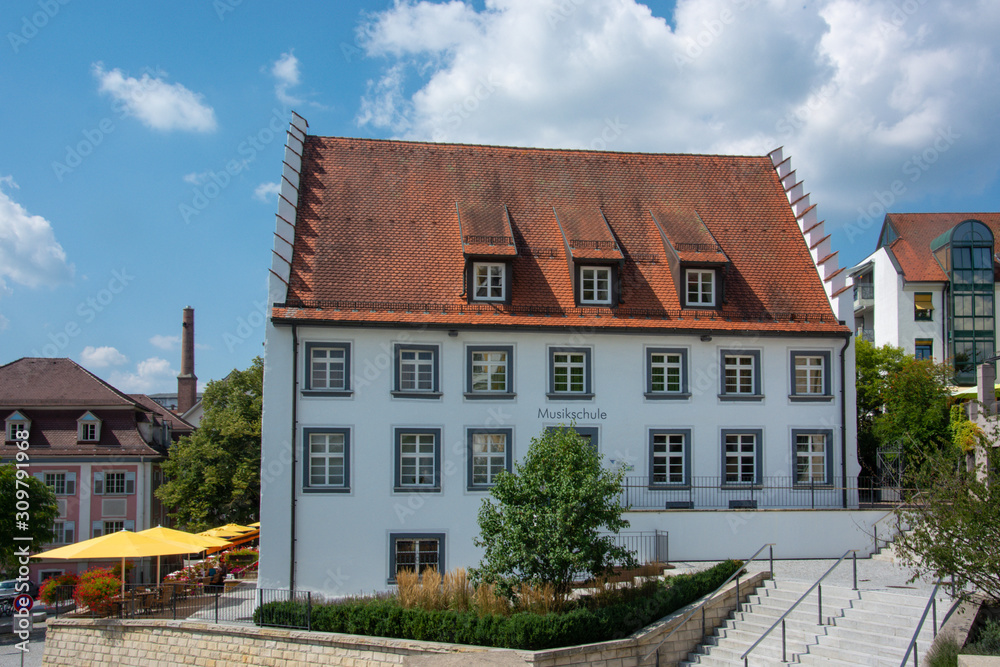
{"points": [[166, 643]]}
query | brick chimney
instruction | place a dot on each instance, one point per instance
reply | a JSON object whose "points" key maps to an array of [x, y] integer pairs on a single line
{"points": [[187, 381]]}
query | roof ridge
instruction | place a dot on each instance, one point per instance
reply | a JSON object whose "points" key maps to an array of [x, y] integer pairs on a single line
{"points": [[528, 148]]}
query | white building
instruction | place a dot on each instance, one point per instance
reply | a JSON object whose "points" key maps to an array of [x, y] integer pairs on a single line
{"points": [[437, 306], [930, 288]]}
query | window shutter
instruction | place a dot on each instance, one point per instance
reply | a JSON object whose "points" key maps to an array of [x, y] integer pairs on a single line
{"points": [[129, 483], [69, 530], [129, 524], [98, 488], [70, 483], [95, 528]]}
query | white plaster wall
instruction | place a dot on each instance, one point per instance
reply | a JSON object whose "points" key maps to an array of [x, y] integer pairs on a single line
{"points": [[911, 329], [796, 534], [888, 285], [342, 540]]}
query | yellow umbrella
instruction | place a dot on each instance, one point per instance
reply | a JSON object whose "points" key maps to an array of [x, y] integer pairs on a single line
{"points": [[196, 542], [229, 530], [123, 544], [255, 524]]}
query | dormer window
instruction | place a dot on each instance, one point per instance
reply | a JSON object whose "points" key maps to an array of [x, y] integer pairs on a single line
{"points": [[18, 427], [489, 281], [700, 284], [88, 428], [595, 285]]}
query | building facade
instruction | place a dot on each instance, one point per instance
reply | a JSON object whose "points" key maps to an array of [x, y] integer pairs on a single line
{"points": [[435, 307], [97, 449], [930, 288]]}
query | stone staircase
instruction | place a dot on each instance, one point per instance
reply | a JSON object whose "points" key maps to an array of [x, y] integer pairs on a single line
{"points": [[867, 627]]}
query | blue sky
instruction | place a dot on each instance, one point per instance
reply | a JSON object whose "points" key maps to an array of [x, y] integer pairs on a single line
{"points": [[141, 143]]}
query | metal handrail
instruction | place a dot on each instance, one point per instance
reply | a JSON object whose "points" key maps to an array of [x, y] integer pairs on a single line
{"points": [[710, 596], [932, 603], [803, 597]]}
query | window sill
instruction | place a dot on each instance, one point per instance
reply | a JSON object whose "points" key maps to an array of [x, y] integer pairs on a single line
{"points": [[700, 306], [417, 489], [479, 489], [489, 396], [741, 397], [811, 398], [666, 396], [417, 394], [332, 489], [569, 397], [683, 486], [741, 486], [327, 393], [803, 486]]}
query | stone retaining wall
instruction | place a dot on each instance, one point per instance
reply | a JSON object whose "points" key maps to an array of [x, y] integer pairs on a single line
{"points": [[165, 643]]}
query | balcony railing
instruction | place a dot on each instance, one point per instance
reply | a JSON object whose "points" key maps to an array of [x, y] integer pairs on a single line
{"points": [[713, 493], [864, 296]]}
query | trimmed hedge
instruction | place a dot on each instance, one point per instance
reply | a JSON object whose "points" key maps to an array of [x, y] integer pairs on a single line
{"points": [[522, 630]]}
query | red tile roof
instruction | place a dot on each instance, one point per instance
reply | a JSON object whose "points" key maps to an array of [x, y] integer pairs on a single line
{"points": [[41, 381], [53, 433], [177, 424], [916, 231], [378, 240]]}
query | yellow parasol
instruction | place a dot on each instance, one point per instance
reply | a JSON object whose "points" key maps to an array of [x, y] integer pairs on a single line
{"points": [[196, 542], [123, 544]]}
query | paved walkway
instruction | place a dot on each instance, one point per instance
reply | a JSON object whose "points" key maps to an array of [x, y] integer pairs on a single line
{"points": [[873, 573]]}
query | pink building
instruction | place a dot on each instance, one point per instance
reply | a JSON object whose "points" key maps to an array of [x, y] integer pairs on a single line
{"points": [[97, 448]]}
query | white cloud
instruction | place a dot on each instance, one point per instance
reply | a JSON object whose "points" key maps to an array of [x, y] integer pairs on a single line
{"points": [[102, 357], [158, 104], [265, 192], [151, 375], [195, 177], [165, 342], [852, 88], [286, 71], [29, 252]]}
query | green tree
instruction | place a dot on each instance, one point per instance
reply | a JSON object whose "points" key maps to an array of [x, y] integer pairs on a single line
{"points": [[954, 521], [899, 399], [543, 523], [213, 475], [16, 485]]}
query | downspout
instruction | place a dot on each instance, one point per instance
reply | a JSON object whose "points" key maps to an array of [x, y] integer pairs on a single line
{"points": [[295, 383], [843, 418]]}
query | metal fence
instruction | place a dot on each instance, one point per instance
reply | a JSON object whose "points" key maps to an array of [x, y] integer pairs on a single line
{"points": [[714, 493], [648, 546]]}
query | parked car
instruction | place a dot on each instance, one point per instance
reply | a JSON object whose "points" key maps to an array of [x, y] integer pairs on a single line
{"points": [[10, 588]]}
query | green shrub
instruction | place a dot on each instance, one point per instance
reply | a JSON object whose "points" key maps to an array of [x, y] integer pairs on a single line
{"points": [[587, 621], [944, 653], [987, 641]]}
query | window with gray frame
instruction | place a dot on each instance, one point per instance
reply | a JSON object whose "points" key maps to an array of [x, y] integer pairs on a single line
{"points": [[810, 378], [65, 532], [741, 373], [110, 483], [669, 457], [595, 285], [569, 373], [700, 287], [666, 373], [741, 456], [328, 369], [589, 433], [489, 281], [812, 452], [417, 552], [417, 371], [490, 451], [327, 460], [418, 459], [489, 371], [61, 483]]}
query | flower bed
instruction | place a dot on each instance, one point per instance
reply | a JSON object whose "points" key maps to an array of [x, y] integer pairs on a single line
{"points": [[588, 619]]}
